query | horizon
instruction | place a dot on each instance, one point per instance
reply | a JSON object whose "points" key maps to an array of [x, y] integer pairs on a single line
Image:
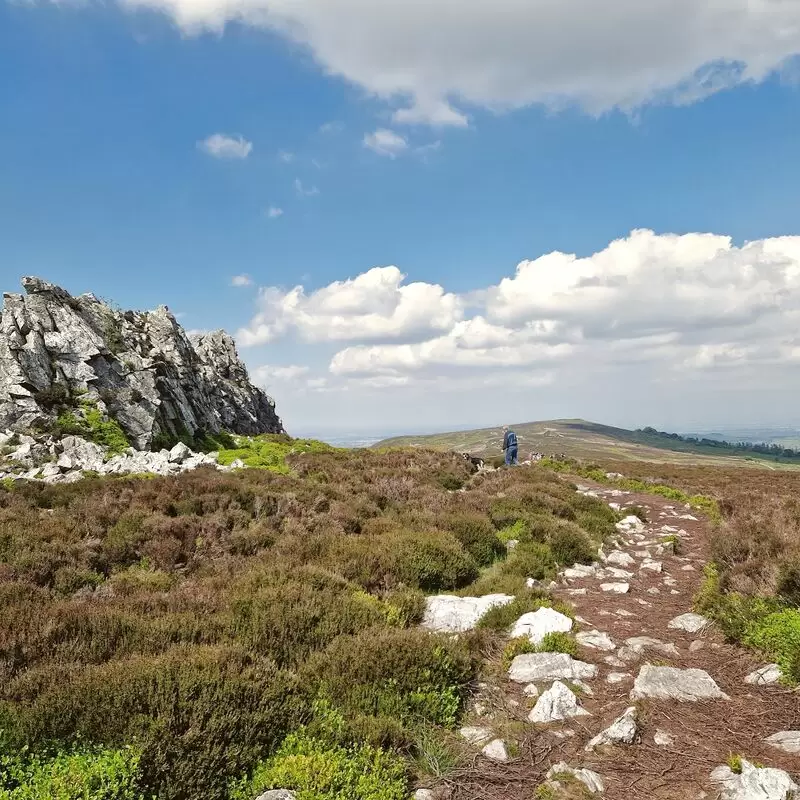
{"points": [[410, 219]]}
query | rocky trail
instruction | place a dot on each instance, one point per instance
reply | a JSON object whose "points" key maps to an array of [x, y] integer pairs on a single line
{"points": [[656, 704]]}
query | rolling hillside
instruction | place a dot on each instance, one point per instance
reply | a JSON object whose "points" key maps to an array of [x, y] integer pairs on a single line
{"points": [[578, 438]]}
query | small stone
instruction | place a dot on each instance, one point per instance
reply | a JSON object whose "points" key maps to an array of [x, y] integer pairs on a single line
{"points": [[496, 751], [596, 640], [540, 667], [623, 613], [642, 643], [618, 677], [754, 783], [476, 736], [671, 683], [591, 780], [688, 568], [696, 646], [557, 703], [653, 590], [530, 690], [618, 574], [616, 588], [788, 741], [620, 558], [674, 591], [652, 566], [423, 794], [622, 731], [277, 794], [576, 592], [691, 623], [765, 676], [663, 739], [670, 582], [580, 571]]}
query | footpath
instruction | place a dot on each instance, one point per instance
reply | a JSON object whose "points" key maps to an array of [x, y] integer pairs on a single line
{"points": [[655, 706]]}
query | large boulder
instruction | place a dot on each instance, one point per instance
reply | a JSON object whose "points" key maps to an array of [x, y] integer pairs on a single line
{"points": [[539, 667], [535, 625], [447, 613], [671, 683], [754, 783], [141, 368]]}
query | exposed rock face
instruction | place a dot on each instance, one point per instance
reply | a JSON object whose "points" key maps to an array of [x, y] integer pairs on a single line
{"points": [[140, 368]]}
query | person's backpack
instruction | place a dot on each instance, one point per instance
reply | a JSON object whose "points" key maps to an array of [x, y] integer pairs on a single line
{"points": [[512, 439]]}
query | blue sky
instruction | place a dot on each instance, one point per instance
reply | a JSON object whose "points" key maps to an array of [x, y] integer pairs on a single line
{"points": [[451, 149]]}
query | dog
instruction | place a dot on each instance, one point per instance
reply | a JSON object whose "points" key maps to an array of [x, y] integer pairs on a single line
{"points": [[474, 460]]}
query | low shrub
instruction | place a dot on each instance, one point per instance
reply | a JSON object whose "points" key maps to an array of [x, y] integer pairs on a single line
{"points": [[558, 642], [73, 775], [777, 636], [518, 646], [318, 770], [477, 536], [501, 618]]}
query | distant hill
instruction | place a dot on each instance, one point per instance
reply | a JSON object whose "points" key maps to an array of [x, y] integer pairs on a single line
{"points": [[578, 438]]}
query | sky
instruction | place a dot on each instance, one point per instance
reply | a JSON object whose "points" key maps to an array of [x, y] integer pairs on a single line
{"points": [[417, 216]]}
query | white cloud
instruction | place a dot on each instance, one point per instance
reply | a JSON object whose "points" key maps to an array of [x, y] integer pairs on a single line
{"points": [[268, 373], [331, 127], [273, 212], [220, 145], [305, 191], [241, 280], [375, 305], [286, 157], [385, 142], [437, 58]]}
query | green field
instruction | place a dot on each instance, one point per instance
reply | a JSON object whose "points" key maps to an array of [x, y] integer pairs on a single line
{"points": [[578, 438]]}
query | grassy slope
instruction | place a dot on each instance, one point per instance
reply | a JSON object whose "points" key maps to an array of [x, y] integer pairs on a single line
{"points": [[578, 438]]}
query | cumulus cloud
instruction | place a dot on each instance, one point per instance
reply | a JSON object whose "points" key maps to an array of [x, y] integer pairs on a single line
{"points": [[436, 59], [694, 301], [268, 373], [385, 142], [241, 280], [273, 212], [372, 306], [221, 145]]}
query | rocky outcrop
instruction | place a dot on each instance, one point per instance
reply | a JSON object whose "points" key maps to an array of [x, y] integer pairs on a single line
{"points": [[139, 368]]}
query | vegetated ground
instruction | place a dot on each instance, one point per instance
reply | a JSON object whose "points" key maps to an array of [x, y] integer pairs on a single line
{"points": [[589, 441], [213, 635]]}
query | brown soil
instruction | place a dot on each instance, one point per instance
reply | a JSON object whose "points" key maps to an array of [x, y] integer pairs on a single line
{"points": [[705, 734]]}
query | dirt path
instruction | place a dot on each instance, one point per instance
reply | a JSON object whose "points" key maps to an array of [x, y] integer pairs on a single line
{"points": [[701, 735]]}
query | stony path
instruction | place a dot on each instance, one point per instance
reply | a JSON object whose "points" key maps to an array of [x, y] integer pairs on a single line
{"points": [[643, 665]]}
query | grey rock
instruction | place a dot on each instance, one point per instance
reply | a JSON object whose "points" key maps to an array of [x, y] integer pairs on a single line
{"points": [[623, 730], [618, 677], [591, 780], [540, 667], [496, 751], [620, 558], [788, 741], [652, 566], [277, 794], [179, 453], [691, 623], [423, 794], [450, 614], [559, 702], [754, 783], [616, 588], [597, 640], [671, 683], [765, 676], [141, 368], [642, 643], [535, 625]]}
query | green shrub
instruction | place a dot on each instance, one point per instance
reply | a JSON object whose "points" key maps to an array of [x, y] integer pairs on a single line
{"points": [[477, 536], [317, 770], [432, 561], [77, 775], [571, 545], [531, 560], [777, 636], [518, 646], [200, 716], [409, 675], [557, 642], [269, 451]]}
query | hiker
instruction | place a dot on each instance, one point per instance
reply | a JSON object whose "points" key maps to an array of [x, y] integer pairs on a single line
{"points": [[510, 446]]}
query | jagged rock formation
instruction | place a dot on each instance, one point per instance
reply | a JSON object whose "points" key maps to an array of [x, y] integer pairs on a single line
{"points": [[139, 368]]}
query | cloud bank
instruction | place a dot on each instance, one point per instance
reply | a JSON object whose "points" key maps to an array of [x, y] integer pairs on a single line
{"points": [[435, 60]]}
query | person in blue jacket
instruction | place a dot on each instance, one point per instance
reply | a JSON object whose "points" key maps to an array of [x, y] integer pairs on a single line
{"points": [[510, 446]]}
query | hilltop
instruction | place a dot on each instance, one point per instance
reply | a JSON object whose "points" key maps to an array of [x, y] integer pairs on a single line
{"points": [[591, 441]]}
